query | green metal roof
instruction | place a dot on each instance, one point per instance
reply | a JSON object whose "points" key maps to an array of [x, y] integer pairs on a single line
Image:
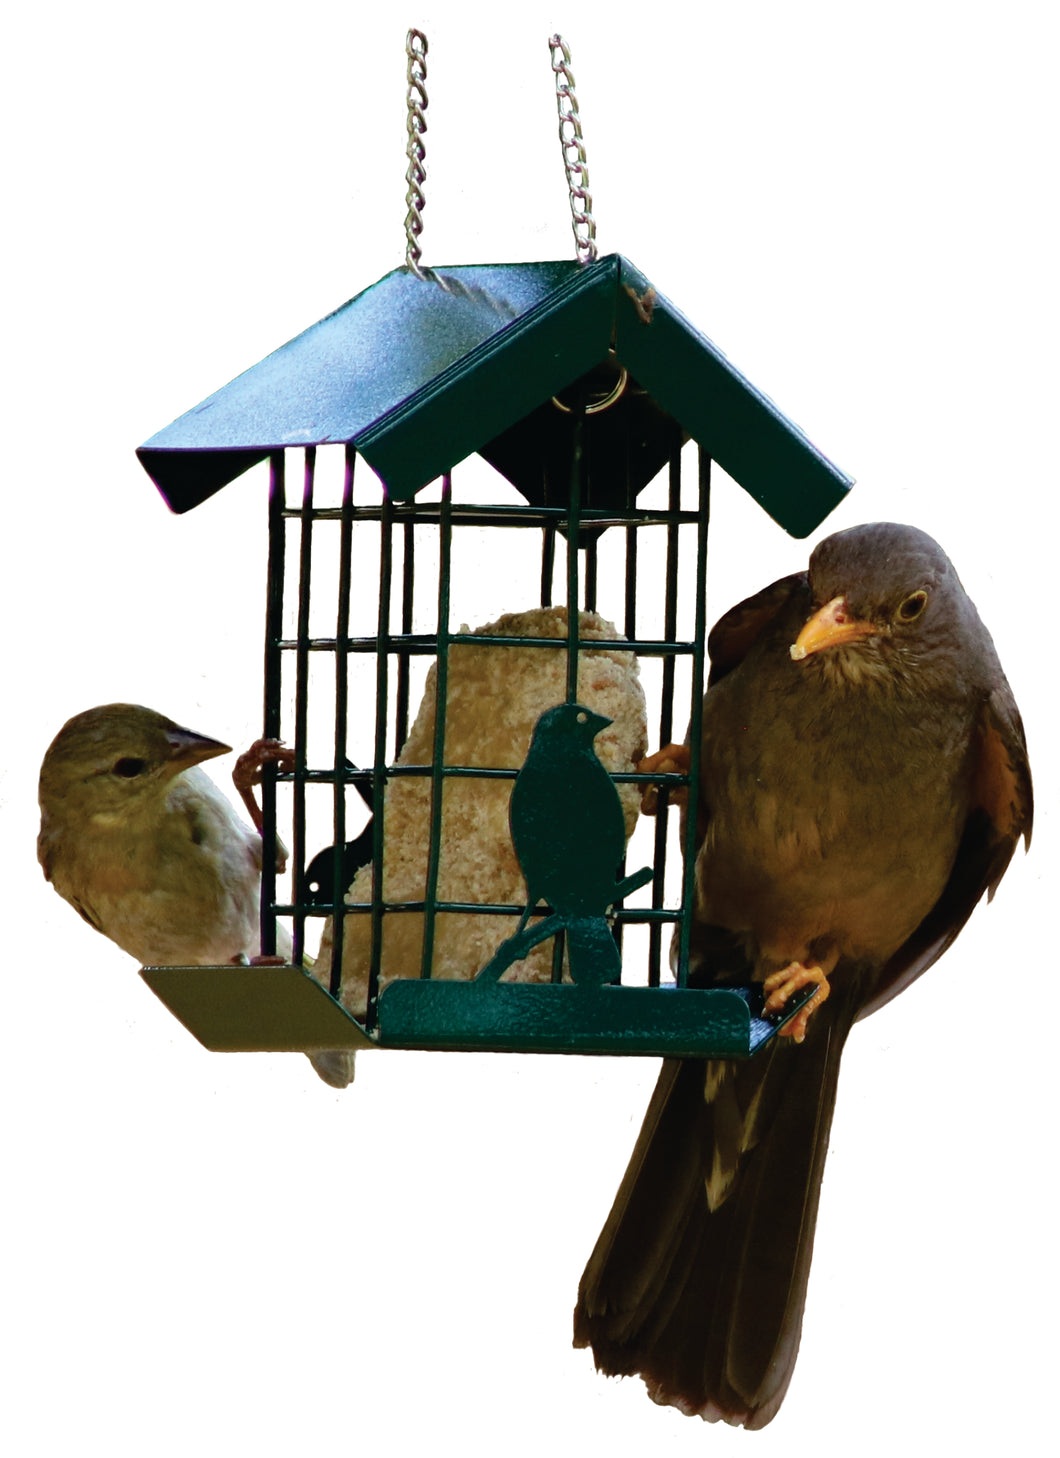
{"points": [[420, 373]]}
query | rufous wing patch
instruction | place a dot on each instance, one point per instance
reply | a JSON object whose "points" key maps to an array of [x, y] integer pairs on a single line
{"points": [[1001, 786]]}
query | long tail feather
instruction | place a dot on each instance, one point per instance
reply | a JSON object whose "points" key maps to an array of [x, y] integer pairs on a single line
{"points": [[698, 1280]]}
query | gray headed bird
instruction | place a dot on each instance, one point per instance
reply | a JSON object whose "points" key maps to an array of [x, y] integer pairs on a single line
{"points": [[864, 783]]}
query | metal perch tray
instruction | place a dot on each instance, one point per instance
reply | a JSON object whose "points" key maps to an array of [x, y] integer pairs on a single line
{"points": [[281, 1009]]}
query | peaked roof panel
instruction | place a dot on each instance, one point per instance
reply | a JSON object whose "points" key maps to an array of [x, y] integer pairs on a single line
{"points": [[739, 427], [419, 373]]}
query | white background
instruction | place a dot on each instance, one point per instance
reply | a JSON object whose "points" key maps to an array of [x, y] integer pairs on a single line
{"points": [[220, 1255]]}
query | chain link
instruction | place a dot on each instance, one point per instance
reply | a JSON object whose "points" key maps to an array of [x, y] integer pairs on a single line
{"points": [[571, 141], [416, 151], [570, 136]]}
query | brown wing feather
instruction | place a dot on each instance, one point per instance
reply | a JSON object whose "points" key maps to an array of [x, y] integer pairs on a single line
{"points": [[86, 914], [1002, 812], [1003, 776], [735, 633]]}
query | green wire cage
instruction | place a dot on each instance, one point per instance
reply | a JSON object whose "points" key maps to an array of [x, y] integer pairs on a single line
{"points": [[595, 412]]}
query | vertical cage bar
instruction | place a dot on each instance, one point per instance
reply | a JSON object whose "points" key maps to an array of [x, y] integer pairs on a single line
{"points": [[548, 563], [301, 691], [441, 696], [408, 573], [273, 674], [695, 731], [590, 575], [379, 776], [574, 517], [342, 692], [666, 713], [559, 942], [630, 624], [666, 708], [574, 507]]}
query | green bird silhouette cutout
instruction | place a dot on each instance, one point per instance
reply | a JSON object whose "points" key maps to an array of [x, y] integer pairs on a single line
{"points": [[569, 835]]}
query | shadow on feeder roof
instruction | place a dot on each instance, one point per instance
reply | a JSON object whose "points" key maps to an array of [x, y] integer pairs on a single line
{"points": [[418, 374]]}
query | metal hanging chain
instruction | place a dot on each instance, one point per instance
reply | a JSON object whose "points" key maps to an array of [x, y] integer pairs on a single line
{"points": [[570, 136], [416, 125]]}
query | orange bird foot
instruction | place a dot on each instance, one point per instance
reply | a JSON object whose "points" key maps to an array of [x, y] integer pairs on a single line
{"points": [[248, 768], [672, 759], [780, 986]]}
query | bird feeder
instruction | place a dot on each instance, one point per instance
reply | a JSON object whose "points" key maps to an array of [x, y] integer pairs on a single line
{"points": [[554, 424]]}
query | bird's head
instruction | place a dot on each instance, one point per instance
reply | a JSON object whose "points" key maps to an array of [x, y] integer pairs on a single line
{"points": [[107, 760], [885, 592], [571, 722]]}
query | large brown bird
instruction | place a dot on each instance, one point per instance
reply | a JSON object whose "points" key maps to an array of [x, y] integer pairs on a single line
{"points": [[864, 781]]}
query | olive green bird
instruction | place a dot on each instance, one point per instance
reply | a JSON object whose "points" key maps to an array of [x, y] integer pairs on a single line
{"points": [[142, 844]]}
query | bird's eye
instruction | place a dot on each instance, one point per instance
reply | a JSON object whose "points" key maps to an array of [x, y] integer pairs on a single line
{"points": [[129, 768], [912, 607]]}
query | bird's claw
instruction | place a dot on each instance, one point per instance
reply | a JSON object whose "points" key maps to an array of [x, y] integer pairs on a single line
{"points": [[672, 759], [248, 769], [249, 766], [779, 987]]}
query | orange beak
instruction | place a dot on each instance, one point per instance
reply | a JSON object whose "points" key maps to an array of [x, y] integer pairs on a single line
{"points": [[830, 626]]}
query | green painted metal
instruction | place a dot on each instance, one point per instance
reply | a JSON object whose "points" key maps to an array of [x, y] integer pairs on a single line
{"points": [[735, 423], [273, 1009], [418, 374], [497, 384], [569, 835], [281, 1009], [414, 375], [650, 1022], [346, 374]]}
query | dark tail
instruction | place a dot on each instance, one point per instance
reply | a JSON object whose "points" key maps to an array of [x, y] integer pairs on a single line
{"points": [[698, 1279]]}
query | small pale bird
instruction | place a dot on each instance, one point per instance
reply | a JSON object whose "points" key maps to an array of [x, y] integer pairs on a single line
{"points": [[144, 846], [864, 782]]}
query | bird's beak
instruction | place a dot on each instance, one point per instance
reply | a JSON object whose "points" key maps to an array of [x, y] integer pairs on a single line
{"points": [[829, 627], [596, 722], [188, 748]]}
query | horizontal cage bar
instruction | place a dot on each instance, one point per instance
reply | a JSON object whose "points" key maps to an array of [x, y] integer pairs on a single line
{"points": [[429, 514], [449, 771], [418, 643], [633, 915]]}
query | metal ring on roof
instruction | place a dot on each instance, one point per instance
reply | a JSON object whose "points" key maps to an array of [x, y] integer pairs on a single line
{"points": [[614, 394]]}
